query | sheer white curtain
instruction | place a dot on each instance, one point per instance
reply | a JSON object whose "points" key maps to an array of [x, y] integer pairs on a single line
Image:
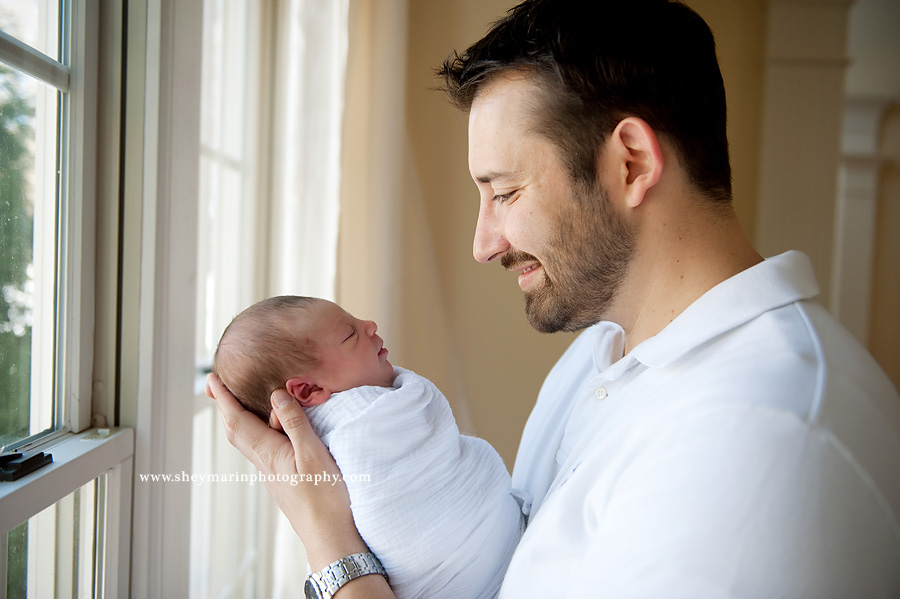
{"points": [[305, 157], [307, 111], [387, 269], [384, 267]]}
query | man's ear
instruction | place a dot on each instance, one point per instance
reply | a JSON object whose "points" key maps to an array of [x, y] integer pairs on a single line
{"points": [[306, 392], [637, 159]]}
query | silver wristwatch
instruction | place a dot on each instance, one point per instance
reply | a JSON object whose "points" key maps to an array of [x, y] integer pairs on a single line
{"points": [[326, 582]]}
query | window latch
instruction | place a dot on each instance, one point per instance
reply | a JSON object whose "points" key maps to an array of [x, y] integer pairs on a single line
{"points": [[14, 465]]}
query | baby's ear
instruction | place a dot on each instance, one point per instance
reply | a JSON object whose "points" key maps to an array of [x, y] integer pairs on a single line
{"points": [[306, 392]]}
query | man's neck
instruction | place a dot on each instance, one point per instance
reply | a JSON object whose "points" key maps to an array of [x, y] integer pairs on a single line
{"points": [[677, 261]]}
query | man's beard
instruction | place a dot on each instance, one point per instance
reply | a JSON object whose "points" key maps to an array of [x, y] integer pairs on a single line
{"points": [[588, 254]]}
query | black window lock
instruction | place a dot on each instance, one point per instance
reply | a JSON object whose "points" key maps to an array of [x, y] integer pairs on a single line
{"points": [[14, 465]]}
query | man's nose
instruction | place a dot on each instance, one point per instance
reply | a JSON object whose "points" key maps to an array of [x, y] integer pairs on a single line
{"points": [[489, 242]]}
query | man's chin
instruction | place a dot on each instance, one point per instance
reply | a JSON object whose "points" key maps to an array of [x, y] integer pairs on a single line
{"points": [[549, 314], [541, 312]]}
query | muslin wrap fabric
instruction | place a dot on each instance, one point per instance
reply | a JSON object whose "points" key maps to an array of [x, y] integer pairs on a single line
{"points": [[435, 506]]}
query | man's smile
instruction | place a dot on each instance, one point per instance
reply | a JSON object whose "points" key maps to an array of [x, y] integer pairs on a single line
{"points": [[528, 274]]}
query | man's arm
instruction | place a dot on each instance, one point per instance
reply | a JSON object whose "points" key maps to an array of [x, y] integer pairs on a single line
{"points": [[320, 514]]}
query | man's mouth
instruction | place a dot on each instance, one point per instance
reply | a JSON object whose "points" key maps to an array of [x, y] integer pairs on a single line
{"points": [[528, 274], [527, 265]]}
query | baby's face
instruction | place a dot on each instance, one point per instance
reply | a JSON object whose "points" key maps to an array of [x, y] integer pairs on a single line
{"points": [[350, 353]]}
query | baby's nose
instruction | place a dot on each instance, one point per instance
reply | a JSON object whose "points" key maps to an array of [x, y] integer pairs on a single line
{"points": [[371, 327]]}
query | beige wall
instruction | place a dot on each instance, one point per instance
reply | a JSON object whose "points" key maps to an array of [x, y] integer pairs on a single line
{"points": [[502, 359]]}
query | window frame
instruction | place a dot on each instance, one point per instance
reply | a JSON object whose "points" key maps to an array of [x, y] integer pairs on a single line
{"points": [[74, 76], [134, 175], [79, 455], [157, 279]]}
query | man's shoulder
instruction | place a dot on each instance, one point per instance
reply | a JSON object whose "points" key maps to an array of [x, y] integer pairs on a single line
{"points": [[796, 357], [798, 367]]}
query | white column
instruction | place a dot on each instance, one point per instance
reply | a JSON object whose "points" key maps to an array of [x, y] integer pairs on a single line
{"points": [[802, 107], [855, 215]]}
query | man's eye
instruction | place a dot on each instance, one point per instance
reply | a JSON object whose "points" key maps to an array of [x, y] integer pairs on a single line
{"points": [[503, 198]]}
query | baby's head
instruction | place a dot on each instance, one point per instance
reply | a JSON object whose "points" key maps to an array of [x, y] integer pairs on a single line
{"points": [[310, 347]]}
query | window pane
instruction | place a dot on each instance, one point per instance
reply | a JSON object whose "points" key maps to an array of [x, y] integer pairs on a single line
{"points": [[224, 79], [34, 22], [228, 519], [28, 151], [53, 554], [227, 166]]}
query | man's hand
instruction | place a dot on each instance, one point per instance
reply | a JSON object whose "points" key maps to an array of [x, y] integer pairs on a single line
{"points": [[320, 514]]}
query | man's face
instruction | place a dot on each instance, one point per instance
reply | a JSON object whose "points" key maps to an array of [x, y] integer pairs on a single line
{"points": [[565, 240], [350, 353]]}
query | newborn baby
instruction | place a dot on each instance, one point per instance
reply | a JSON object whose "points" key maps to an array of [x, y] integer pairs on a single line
{"points": [[435, 506]]}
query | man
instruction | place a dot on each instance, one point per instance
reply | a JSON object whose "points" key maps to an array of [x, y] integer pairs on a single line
{"points": [[713, 432]]}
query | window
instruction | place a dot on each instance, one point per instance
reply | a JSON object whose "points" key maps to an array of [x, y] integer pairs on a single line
{"points": [[71, 512], [230, 521], [272, 98], [33, 128], [103, 272]]}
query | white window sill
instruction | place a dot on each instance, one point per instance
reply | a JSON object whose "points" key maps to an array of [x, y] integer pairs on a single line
{"points": [[77, 460]]}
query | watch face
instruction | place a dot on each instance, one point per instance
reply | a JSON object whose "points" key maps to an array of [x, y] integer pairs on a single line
{"points": [[310, 590]]}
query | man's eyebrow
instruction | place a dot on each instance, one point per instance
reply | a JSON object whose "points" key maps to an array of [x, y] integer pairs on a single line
{"points": [[492, 176]]}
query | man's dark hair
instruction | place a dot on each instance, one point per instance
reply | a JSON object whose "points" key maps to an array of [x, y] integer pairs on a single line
{"points": [[599, 61]]}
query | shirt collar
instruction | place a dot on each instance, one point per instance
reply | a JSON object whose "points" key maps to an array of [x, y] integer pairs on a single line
{"points": [[773, 283], [609, 344]]}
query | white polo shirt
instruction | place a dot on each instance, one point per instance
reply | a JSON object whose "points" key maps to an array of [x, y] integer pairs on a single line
{"points": [[750, 449]]}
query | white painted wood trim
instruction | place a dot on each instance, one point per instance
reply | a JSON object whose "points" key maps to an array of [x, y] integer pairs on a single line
{"points": [[76, 461], [78, 313], [162, 149], [856, 214], [37, 64]]}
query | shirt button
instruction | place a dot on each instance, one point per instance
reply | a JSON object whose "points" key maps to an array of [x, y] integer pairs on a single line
{"points": [[601, 393]]}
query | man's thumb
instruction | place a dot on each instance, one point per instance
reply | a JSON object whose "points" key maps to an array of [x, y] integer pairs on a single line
{"points": [[281, 399], [291, 416]]}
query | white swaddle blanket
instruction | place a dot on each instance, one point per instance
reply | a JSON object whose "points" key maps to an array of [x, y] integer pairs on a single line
{"points": [[436, 508]]}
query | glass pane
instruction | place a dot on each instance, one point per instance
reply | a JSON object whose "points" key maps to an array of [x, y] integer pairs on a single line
{"points": [[228, 516], [222, 220], [224, 76], [53, 554], [35, 22], [227, 198], [28, 150]]}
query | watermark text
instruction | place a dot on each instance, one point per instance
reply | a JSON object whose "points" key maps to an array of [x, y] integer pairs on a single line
{"points": [[319, 478]]}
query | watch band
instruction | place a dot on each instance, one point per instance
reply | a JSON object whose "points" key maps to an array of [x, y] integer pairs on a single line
{"points": [[326, 582]]}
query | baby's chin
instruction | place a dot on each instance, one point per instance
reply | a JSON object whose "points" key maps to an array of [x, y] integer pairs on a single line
{"points": [[394, 373]]}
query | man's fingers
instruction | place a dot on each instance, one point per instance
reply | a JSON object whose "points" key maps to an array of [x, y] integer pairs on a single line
{"points": [[249, 435], [292, 418], [311, 453], [274, 422]]}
